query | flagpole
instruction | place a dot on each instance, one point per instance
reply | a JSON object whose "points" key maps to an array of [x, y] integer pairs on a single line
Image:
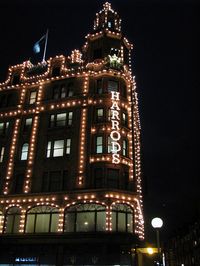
{"points": [[45, 47]]}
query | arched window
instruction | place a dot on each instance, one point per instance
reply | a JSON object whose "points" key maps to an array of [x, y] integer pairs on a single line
{"points": [[122, 218], [42, 219], [12, 220], [85, 218], [24, 153]]}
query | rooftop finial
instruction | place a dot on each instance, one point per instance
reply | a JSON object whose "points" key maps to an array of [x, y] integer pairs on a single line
{"points": [[107, 18], [107, 6]]}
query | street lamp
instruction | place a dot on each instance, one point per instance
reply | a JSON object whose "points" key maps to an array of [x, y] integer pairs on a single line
{"points": [[157, 223]]}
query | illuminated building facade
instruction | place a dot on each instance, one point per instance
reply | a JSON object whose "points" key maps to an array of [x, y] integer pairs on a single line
{"points": [[70, 177]]}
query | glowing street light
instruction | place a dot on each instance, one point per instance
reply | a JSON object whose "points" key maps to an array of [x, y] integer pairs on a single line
{"points": [[150, 251], [157, 223]]}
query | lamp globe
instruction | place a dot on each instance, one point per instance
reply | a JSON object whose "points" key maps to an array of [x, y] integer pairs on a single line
{"points": [[157, 222]]}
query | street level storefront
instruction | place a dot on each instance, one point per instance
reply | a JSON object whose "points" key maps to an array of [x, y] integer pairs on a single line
{"points": [[49, 253]]}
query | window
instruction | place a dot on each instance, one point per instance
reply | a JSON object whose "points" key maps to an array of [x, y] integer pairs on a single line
{"points": [[57, 148], [85, 218], [54, 181], [98, 178], [70, 90], [126, 180], [125, 148], [61, 120], [24, 153], [4, 128], [69, 120], [49, 145], [60, 92], [113, 178], [10, 100], [122, 218], [3, 101], [58, 120], [109, 144], [99, 114], [56, 71], [28, 124], [99, 144], [15, 79], [12, 220], [33, 97], [52, 121], [99, 86], [63, 91], [19, 182], [111, 147], [56, 93], [68, 146], [109, 114], [7, 100], [124, 119], [109, 24], [45, 182], [42, 219], [2, 151], [112, 85]]}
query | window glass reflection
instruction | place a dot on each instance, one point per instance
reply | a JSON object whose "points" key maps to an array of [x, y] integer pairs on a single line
{"points": [[85, 218], [42, 219], [85, 222], [12, 220], [122, 218], [42, 223]]}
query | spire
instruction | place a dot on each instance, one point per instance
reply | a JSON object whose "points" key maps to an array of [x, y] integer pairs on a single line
{"points": [[107, 18]]}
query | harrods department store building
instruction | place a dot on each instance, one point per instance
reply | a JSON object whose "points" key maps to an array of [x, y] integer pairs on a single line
{"points": [[70, 173]]}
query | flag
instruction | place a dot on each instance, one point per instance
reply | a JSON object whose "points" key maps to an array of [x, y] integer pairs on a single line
{"points": [[36, 47]]}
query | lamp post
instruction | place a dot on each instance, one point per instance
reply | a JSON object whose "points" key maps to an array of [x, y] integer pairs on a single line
{"points": [[157, 223]]}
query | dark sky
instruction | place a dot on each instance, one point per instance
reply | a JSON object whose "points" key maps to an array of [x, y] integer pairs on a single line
{"points": [[164, 35]]}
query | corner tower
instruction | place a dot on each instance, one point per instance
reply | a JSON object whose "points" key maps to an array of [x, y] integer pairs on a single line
{"points": [[70, 173], [106, 39]]}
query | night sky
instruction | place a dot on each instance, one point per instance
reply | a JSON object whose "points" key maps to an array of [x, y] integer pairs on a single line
{"points": [[164, 35]]}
